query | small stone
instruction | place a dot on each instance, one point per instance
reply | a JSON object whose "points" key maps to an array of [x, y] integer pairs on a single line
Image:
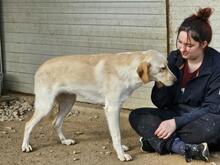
{"points": [[69, 114], [51, 151], [41, 133], [76, 112], [96, 117], [103, 147], [75, 159], [13, 130], [16, 107], [108, 153], [76, 152], [4, 132], [9, 128], [79, 133], [213, 163]]}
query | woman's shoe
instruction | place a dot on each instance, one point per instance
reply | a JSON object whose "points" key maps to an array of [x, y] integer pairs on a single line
{"points": [[197, 151], [145, 146]]}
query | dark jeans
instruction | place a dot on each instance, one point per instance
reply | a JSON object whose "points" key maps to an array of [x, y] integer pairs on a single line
{"points": [[204, 129]]}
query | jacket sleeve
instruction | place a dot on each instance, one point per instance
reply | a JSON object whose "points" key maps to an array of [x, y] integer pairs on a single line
{"points": [[163, 97], [211, 102]]}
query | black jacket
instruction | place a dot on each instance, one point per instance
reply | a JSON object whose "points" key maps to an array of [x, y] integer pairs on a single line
{"points": [[201, 95]]}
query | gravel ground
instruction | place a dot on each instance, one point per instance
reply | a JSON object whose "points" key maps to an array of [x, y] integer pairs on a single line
{"points": [[86, 124], [14, 108]]}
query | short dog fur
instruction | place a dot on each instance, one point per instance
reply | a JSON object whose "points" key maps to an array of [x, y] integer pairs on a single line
{"points": [[105, 79]]}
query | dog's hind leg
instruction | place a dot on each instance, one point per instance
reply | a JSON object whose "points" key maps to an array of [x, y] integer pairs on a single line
{"points": [[43, 105], [65, 102]]}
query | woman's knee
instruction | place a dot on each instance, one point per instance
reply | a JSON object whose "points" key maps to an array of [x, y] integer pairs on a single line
{"points": [[136, 114], [141, 121], [132, 117]]}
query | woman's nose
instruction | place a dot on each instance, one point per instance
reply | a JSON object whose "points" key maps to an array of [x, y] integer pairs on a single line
{"points": [[182, 48]]}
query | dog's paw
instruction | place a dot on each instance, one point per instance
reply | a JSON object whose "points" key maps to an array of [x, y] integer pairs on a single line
{"points": [[125, 148], [68, 141], [26, 148], [124, 157]]}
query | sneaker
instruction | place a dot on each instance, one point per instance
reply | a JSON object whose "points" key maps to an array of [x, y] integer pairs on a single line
{"points": [[196, 151], [145, 146]]}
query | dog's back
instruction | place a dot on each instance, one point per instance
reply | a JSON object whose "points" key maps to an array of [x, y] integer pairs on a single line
{"points": [[107, 79]]}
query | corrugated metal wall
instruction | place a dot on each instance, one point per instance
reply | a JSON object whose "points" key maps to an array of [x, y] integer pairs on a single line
{"points": [[36, 30]]}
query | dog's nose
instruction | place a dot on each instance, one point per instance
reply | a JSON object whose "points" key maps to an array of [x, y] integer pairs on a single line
{"points": [[172, 76]]}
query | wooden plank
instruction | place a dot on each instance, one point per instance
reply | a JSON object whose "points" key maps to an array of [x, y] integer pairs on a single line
{"points": [[141, 8], [86, 30], [214, 20], [28, 58], [86, 19], [35, 59], [19, 77], [133, 103], [195, 3], [20, 87], [66, 50], [21, 68], [111, 42], [77, 1], [141, 95], [191, 9]]}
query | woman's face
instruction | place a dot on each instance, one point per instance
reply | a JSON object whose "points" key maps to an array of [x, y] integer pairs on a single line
{"points": [[189, 48]]}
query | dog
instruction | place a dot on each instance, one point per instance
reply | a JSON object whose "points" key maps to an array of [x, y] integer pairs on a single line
{"points": [[106, 79]]}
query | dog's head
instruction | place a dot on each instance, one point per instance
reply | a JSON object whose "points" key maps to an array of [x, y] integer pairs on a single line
{"points": [[154, 68]]}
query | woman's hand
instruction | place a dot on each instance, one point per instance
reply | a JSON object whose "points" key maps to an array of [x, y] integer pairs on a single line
{"points": [[165, 129]]}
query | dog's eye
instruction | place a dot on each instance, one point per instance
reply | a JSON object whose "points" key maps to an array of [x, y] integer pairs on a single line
{"points": [[162, 69]]}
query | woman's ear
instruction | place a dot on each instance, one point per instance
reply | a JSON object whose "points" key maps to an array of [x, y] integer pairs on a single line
{"points": [[143, 72], [204, 44]]}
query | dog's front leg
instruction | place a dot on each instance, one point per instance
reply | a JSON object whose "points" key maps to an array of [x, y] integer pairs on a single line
{"points": [[112, 115]]}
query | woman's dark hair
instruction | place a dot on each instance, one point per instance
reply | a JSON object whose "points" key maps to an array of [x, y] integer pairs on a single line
{"points": [[197, 25]]}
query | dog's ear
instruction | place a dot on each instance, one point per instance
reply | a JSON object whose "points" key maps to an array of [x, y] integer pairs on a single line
{"points": [[143, 72]]}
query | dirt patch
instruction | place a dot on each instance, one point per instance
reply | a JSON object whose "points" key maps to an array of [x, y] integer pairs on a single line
{"points": [[87, 125]]}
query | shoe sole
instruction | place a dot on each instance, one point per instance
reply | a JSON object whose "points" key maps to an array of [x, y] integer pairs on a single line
{"points": [[204, 154], [140, 140]]}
